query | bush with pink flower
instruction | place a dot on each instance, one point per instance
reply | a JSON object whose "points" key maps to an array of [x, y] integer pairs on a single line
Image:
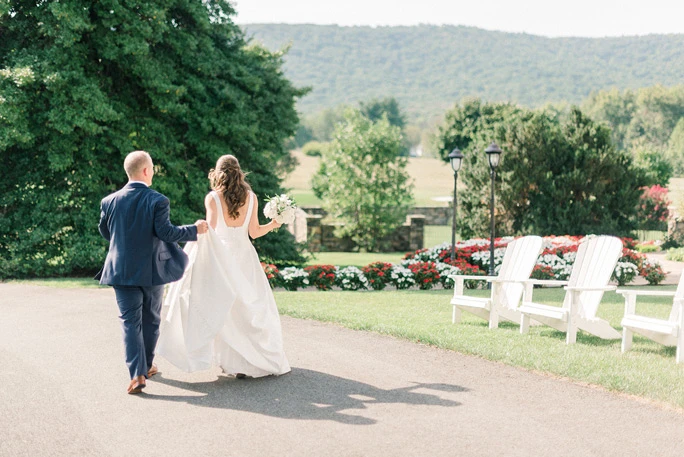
{"points": [[652, 212]]}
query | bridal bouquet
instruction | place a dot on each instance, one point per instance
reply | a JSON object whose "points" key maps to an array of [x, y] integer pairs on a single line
{"points": [[281, 208]]}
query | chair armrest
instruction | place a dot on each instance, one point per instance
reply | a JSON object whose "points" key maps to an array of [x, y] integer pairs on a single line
{"points": [[652, 293], [546, 282], [505, 281], [476, 277], [590, 289], [459, 281]]}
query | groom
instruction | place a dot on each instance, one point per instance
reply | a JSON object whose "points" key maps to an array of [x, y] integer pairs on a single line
{"points": [[143, 256]]}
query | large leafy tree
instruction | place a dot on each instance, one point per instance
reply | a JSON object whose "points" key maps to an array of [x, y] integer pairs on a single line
{"points": [[363, 182], [567, 177], [558, 175], [83, 83]]}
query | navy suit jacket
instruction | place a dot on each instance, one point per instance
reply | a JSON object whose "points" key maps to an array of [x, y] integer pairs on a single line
{"points": [[143, 249]]}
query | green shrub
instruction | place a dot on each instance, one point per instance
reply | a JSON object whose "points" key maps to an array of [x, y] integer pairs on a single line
{"points": [[314, 148], [644, 248], [675, 254]]}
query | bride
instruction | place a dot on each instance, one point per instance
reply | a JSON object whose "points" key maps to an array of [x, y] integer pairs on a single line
{"points": [[223, 311]]}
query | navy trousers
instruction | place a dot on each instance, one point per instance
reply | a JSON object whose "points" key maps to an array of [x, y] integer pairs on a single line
{"points": [[140, 309]]}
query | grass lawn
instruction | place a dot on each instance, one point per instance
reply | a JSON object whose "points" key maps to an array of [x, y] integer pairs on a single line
{"points": [[62, 283], [647, 371], [437, 234]]}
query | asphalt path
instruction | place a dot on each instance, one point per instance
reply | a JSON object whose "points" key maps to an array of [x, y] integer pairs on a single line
{"points": [[350, 393]]}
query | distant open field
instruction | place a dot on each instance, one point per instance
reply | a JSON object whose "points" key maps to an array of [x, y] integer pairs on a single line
{"points": [[432, 179]]}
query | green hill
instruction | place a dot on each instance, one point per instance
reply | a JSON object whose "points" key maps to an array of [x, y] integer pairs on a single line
{"points": [[428, 68]]}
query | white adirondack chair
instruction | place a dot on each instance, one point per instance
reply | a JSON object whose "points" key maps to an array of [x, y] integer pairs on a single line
{"points": [[669, 332], [507, 288], [594, 264]]}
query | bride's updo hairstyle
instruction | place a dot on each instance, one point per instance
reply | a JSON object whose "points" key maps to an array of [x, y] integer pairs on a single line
{"points": [[228, 179]]}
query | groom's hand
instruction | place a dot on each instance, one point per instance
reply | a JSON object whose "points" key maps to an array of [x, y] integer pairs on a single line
{"points": [[202, 226]]}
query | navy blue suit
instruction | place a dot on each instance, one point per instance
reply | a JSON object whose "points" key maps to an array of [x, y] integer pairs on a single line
{"points": [[143, 256]]}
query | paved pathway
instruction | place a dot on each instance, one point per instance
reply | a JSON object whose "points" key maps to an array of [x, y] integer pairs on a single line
{"points": [[62, 393]]}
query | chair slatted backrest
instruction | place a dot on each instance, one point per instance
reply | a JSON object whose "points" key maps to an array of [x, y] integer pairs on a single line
{"points": [[518, 262], [593, 267]]}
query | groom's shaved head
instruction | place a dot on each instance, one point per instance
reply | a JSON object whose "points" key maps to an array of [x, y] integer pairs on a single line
{"points": [[135, 162]]}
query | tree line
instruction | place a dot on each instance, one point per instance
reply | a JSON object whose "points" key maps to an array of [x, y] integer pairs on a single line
{"points": [[428, 67]]}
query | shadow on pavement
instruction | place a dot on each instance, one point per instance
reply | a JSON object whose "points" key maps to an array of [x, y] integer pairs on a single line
{"points": [[302, 394]]}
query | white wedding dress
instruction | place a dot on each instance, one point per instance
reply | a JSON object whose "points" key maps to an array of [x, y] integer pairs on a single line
{"points": [[223, 311]]}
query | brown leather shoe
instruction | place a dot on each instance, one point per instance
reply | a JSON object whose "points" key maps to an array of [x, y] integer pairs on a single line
{"points": [[137, 385], [153, 371]]}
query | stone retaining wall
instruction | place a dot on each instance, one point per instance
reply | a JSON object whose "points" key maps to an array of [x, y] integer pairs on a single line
{"points": [[434, 215], [321, 236]]}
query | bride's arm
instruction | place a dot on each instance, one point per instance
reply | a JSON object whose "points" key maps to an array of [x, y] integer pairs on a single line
{"points": [[212, 212], [256, 230]]}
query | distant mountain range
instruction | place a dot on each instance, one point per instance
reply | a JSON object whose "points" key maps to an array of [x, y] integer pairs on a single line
{"points": [[429, 68]]}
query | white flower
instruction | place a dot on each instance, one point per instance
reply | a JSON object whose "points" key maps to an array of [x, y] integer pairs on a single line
{"points": [[446, 273], [402, 277], [482, 258], [287, 216], [351, 278]]}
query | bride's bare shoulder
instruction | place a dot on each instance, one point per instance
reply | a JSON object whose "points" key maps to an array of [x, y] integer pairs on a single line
{"points": [[209, 201]]}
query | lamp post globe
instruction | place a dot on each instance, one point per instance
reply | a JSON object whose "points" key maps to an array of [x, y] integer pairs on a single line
{"points": [[493, 155], [456, 160]]}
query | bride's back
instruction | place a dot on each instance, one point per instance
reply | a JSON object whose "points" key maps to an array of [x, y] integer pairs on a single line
{"points": [[242, 213], [232, 230]]}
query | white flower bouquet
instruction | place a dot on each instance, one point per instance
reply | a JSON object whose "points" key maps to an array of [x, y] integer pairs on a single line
{"points": [[280, 208]]}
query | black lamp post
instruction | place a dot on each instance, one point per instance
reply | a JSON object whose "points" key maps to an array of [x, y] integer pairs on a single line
{"points": [[456, 160], [494, 155]]}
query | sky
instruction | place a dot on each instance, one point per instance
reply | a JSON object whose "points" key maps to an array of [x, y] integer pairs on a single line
{"points": [[552, 18]]}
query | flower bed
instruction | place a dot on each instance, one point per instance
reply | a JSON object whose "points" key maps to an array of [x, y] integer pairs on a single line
{"points": [[427, 268]]}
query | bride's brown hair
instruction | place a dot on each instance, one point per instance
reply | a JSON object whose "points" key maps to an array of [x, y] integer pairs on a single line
{"points": [[228, 179]]}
